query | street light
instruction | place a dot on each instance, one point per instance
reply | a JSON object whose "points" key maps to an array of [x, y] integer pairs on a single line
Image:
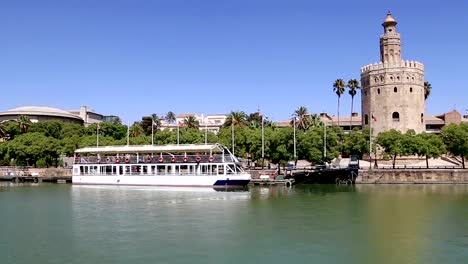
{"points": [[294, 139]]}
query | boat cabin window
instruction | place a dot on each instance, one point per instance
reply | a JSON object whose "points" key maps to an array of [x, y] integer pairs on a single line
{"points": [[120, 170], [230, 169], [128, 170], [169, 169], [145, 170], [214, 169], [204, 169], [106, 170], [161, 169], [220, 169], [191, 169]]}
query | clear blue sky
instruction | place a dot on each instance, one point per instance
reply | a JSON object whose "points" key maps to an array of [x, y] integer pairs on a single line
{"points": [[132, 57]]}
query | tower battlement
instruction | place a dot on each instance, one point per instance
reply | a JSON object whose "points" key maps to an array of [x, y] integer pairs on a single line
{"points": [[387, 65]]}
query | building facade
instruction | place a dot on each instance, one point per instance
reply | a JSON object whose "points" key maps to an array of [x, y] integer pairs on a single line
{"points": [[211, 123], [392, 95]]}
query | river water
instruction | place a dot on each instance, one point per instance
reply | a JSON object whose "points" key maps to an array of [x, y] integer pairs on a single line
{"points": [[309, 224]]}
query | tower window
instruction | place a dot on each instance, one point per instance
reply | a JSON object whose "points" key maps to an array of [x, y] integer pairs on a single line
{"points": [[381, 78], [391, 78], [398, 78], [395, 89], [378, 91], [412, 78], [411, 89], [365, 93], [396, 117], [422, 118], [366, 119]]}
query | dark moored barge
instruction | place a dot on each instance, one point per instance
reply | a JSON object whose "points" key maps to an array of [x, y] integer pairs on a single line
{"points": [[324, 174]]}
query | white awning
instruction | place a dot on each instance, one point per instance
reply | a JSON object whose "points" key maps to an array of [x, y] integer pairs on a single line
{"points": [[189, 148]]}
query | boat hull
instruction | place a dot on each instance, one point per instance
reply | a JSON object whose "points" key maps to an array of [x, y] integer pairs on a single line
{"points": [[175, 180], [326, 176]]}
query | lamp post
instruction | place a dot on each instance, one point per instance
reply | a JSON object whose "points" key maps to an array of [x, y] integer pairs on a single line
{"points": [[294, 139]]}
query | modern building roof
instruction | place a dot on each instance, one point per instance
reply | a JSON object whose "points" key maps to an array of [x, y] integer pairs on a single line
{"points": [[40, 111]]}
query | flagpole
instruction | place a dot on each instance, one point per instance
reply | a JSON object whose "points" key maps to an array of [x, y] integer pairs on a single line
{"points": [[370, 140], [324, 141], [177, 132], [152, 131], [263, 142], [232, 137], [206, 131], [128, 133]]}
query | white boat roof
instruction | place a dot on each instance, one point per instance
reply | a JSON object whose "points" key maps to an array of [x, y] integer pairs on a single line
{"points": [[153, 148]]}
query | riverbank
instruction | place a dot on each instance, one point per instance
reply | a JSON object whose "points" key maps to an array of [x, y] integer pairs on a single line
{"points": [[413, 176]]}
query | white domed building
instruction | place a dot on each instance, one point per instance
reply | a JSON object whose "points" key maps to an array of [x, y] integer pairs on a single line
{"points": [[40, 114]]}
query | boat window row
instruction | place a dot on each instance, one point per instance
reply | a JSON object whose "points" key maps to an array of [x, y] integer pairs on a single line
{"points": [[167, 169]]}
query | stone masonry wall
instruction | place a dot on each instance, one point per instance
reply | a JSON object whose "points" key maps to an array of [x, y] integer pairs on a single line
{"points": [[418, 176]]}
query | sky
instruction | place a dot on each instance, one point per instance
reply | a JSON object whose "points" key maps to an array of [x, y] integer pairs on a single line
{"points": [[138, 57]]}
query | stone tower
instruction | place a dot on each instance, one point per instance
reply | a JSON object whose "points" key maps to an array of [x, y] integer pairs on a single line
{"points": [[392, 93]]}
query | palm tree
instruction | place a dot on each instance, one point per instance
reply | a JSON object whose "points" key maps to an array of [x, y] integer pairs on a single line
{"points": [[427, 90], [236, 118], [353, 85], [315, 120], [156, 121], [24, 123], [339, 88], [302, 118], [170, 117], [136, 130], [191, 122], [2, 131]]}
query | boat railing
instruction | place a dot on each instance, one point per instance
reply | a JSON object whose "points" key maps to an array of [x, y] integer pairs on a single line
{"points": [[123, 159]]}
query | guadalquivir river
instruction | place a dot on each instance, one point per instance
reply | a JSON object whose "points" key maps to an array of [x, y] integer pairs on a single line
{"points": [[310, 224]]}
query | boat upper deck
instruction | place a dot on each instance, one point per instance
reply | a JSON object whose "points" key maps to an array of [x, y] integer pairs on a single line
{"points": [[213, 153], [182, 148]]}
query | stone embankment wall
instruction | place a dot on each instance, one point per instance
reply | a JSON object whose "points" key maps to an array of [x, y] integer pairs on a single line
{"points": [[416, 176], [43, 172]]}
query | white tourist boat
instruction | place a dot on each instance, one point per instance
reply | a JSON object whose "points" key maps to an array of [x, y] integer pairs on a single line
{"points": [[160, 165]]}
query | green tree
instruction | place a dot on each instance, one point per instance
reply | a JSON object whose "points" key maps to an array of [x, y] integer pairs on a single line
{"points": [[191, 122], [315, 120], [136, 130], [455, 138], [339, 88], [302, 118], [391, 142], [237, 119], [170, 117], [427, 89], [2, 132], [24, 123], [430, 146], [353, 86], [146, 125], [28, 148], [52, 128], [356, 143]]}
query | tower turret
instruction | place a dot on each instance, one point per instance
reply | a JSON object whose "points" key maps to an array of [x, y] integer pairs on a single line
{"points": [[390, 42]]}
